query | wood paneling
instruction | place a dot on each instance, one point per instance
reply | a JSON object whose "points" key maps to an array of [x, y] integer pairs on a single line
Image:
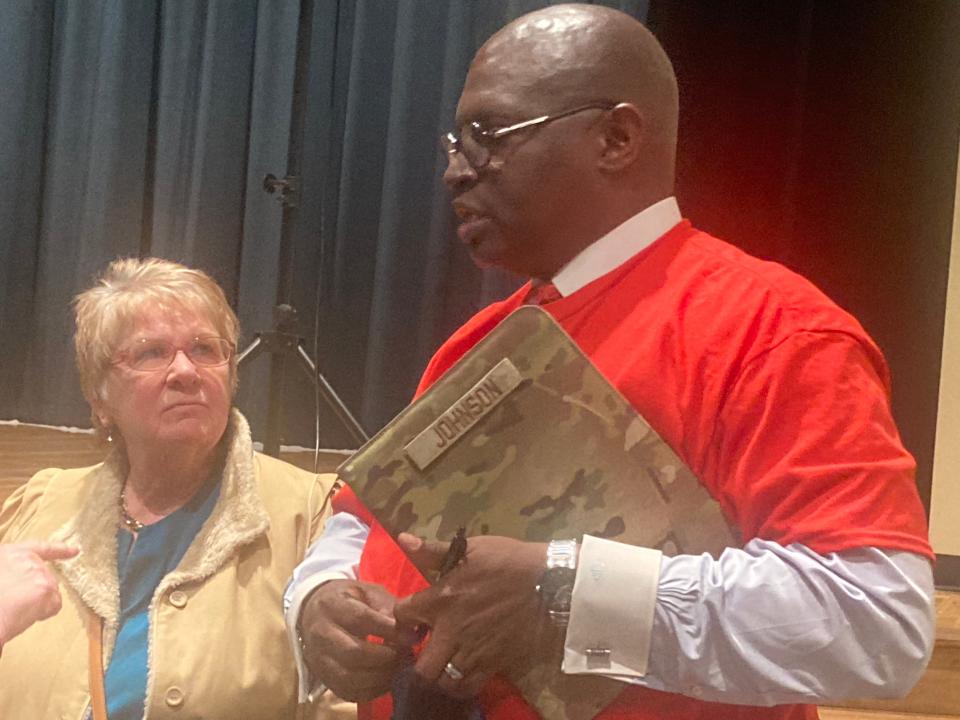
{"points": [[832, 713], [945, 497], [25, 449]]}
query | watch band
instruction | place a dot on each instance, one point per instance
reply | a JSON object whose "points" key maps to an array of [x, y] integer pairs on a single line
{"points": [[562, 553], [556, 587]]}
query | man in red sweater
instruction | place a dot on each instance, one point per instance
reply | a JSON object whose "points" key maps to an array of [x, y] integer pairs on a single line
{"points": [[562, 170]]}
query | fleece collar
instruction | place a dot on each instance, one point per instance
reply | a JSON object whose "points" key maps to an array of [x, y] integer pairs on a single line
{"points": [[238, 518]]}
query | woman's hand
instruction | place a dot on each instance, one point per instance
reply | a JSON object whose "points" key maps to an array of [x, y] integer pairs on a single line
{"points": [[28, 588]]}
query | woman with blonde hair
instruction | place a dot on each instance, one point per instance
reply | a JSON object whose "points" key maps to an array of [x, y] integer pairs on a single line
{"points": [[186, 535]]}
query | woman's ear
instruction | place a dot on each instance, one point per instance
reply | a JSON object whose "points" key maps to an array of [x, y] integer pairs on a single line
{"points": [[99, 412], [622, 134]]}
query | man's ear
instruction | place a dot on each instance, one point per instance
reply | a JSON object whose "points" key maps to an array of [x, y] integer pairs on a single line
{"points": [[622, 134]]}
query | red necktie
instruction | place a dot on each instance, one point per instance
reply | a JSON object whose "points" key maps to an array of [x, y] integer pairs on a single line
{"points": [[542, 294]]}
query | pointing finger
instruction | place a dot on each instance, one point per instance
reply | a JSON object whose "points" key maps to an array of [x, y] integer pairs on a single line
{"points": [[49, 550]]}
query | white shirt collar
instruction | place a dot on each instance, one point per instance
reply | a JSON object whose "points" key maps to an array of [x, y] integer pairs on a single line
{"points": [[617, 246]]}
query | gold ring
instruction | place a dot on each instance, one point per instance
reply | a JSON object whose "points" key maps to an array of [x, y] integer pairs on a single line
{"points": [[453, 672]]}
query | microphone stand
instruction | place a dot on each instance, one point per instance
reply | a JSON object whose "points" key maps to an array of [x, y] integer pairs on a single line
{"points": [[283, 343]]}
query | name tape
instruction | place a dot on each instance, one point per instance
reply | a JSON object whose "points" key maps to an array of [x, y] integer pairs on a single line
{"points": [[455, 421]]}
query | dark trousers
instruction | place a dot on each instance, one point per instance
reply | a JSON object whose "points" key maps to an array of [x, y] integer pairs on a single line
{"points": [[412, 700]]}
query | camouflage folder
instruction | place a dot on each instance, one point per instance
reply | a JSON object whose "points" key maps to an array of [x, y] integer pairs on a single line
{"points": [[524, 437]]}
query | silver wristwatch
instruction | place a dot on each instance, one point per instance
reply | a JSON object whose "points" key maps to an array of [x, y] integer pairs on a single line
{"points": [[556, 585]]}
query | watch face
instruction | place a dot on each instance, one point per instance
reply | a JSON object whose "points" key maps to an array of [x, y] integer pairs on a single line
{"points": [[556, 588], [563, 598]]}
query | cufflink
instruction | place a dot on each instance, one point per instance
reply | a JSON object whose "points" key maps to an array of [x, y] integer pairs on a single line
{"points": [[598, 658]]}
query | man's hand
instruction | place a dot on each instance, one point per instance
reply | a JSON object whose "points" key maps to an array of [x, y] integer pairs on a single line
{"points": [[485, 614], [28, 588], [335, 623]]}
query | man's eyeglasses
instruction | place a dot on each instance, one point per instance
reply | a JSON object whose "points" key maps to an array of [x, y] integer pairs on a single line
{"points": [[476, 143], [152, 354]]}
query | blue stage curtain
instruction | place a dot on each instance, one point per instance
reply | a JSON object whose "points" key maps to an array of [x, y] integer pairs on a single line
{"points": [[131, 128], [145, 127]]}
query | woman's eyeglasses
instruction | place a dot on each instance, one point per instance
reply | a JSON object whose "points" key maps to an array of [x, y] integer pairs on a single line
{"points": [[151, 354]]}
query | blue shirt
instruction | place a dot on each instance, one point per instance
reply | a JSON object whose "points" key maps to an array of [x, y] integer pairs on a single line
{"points": [[142, 562]]}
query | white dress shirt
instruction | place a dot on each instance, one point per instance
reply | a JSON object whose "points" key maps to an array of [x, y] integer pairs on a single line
{"points": [[761, 625]]}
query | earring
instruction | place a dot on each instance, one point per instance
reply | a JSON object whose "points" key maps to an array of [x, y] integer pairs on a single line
{"points": [[105, 427]]}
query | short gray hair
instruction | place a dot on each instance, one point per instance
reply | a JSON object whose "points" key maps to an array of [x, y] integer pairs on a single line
{"points": [[107, 310]]}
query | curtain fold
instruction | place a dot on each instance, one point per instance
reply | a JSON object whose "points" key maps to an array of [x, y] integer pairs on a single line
{"points": [[26, 39], [206, 83], [93, 165], [256, 259], [133, 128]]}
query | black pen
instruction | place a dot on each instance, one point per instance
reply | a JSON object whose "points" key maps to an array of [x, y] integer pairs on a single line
{"points": [[455, 553]]}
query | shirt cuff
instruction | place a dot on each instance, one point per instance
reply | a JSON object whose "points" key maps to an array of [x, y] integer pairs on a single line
{"points": [[611, 610], [291, 615]]}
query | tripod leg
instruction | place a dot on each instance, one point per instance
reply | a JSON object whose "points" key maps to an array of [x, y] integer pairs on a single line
{"points": [[346, 418], [271, 442]]}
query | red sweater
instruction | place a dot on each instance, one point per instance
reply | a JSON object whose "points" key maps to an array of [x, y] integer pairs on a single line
{"points": [[776, 398]]}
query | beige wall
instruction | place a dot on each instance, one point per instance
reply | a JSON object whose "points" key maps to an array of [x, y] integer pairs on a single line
{"points": [[945, 497]]}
